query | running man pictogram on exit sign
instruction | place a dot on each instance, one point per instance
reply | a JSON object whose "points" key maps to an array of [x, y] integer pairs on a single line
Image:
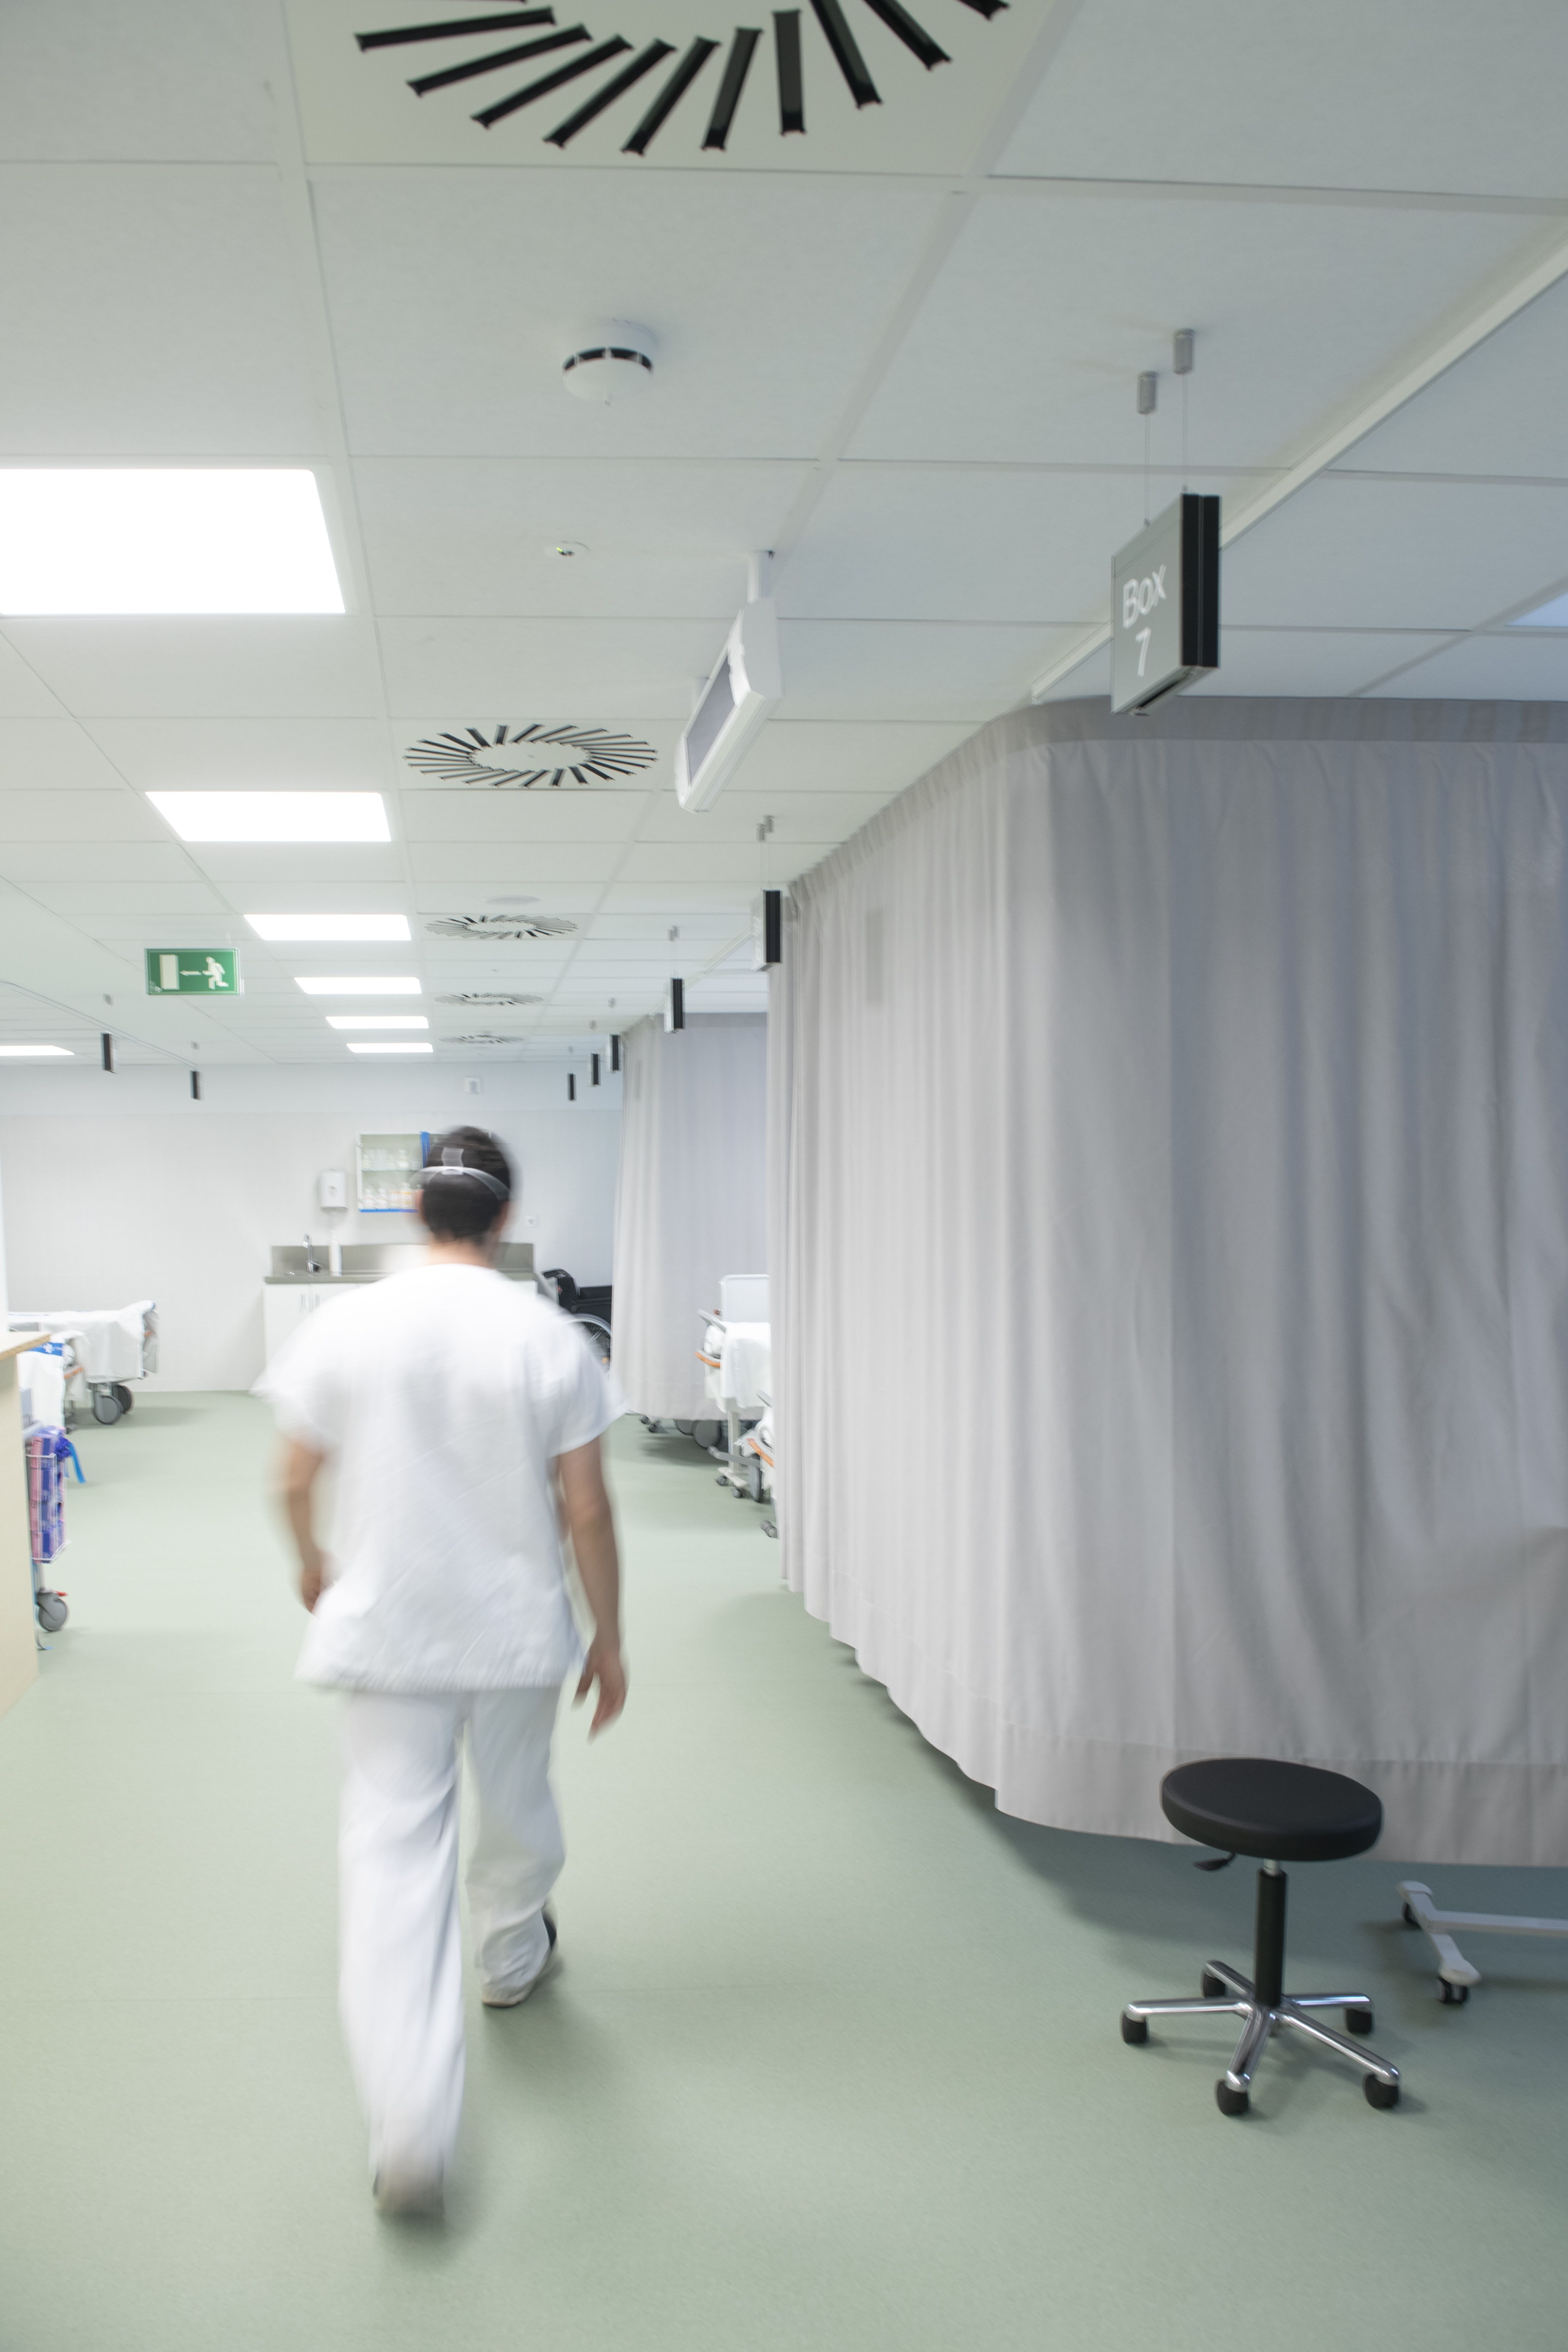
{"points": [[193, 972]]}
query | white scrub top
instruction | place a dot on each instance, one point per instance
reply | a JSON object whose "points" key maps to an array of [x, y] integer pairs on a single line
{"points": [[443, 1396]]}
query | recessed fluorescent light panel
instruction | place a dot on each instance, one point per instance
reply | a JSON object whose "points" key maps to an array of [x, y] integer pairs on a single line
{"points": [[385, 983], [150, 539], [1545, 616], [274, 816], [389, 1048], [39, 1052], [352, 929], [376, 1021]]}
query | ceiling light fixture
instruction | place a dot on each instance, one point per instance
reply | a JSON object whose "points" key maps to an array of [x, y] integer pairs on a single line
{"points": [[274, 816], [383, 983], [39, 1052], [385, 1047], [347, 927], [150, 539], [377, 1021]]}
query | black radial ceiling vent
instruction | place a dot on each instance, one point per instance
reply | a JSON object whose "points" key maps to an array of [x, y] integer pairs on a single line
{"points": [[502, 927], [489, 1000], [489, 757], [741, 48]]}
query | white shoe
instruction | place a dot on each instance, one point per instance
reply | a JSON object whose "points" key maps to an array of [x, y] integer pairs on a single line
{"points": [[497, 1999], [410, 2191]]}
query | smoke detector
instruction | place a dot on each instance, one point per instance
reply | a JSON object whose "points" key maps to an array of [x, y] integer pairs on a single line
{"points": [[615, 362]]}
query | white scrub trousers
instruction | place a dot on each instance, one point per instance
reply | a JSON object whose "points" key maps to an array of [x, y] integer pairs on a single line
{"points": [[401, 1953]]}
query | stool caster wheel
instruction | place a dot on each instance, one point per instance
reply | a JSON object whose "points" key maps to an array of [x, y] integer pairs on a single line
{"points": [[1230, 2102], [1409, 1918], [1380, 2094], [1134, 2029], [1452, 1996], [1358, 2021], [1212, 1986]]}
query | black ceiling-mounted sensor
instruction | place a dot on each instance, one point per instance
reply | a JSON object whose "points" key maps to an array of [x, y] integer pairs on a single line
{"points": [[615, 1052], [594, 1059], [675, 1004], [571, 1085], [195, 1086], [105, 1045]]}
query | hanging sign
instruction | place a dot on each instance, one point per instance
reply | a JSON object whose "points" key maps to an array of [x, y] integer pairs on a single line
{"points": [[193, 972], [1164, 616]]}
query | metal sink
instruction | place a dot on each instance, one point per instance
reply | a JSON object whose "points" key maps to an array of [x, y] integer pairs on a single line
{"points": [[372, 1261]]}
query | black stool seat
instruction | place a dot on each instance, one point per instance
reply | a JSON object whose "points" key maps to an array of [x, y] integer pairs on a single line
{"points": [[1278, 1811]]}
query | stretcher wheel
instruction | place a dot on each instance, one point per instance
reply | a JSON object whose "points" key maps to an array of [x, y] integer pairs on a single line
{"points": [[123, 1394], [52, 1612], [684, 1428], [106, 1407], [707, 1432]]}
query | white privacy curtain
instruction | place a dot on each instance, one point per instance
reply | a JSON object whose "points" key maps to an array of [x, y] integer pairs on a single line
{"points": [[690, 1200], [1169, 1152]]}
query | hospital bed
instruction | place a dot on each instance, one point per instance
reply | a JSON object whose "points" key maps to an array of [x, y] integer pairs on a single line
{"points": [[736, 1355], [111, 1347]]}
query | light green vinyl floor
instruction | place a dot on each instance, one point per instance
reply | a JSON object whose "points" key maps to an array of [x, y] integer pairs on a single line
{"points": [[833, 2061]]}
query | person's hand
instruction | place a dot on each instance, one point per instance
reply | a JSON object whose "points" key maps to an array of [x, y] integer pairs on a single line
{"points": [[605, 1666], [312, 1581]]}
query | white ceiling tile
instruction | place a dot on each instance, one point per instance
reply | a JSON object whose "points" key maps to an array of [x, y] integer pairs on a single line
{"points": [[94, 861], [476, 535], [596, 814], [1297, 308], [735, 817], [165, 302], [716, 861], [183, 80], [329, 867], [55, 754], [601, 670], [319, 667], [23, 693], [1091, 677], [638, 924], [168, 901], [118, 815], [456, 295], [908, 669], [1360, 553], [1499, 411], [501, 864], [1523, 667], [1309, 661], [666, 901], [929, 543], [1411, 94], [244, 754], [803, 755]]}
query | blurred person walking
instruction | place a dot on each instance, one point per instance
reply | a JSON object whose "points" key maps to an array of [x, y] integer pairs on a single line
{"points": [[462, 1415]]}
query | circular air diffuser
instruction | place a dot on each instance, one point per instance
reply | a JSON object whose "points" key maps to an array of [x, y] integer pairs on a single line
{"points": [[491, 1000], [502, 927], [615, 363]]}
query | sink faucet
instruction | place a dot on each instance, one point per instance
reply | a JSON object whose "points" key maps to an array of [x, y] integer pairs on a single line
{"points": [[311, 1264]]}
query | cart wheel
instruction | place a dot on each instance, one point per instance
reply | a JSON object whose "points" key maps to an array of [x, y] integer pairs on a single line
{"points": [[707, 1432], [106, 1406], [683, 1428], [52, 1612], [1134, 2029], [1210, 1986], [1359, 2020], [1380, 2094], [125, 1395], [1452, 1996], [1233, 2102]]}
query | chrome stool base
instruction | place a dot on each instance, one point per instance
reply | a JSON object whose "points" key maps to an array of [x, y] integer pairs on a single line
{"points": [[1237, 1996]]}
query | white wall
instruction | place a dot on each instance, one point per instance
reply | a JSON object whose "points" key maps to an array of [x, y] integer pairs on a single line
{"points": [[122, 1188]]}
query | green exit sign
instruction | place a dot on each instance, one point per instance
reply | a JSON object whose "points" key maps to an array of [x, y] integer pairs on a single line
{"points": [[193, 972]]}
